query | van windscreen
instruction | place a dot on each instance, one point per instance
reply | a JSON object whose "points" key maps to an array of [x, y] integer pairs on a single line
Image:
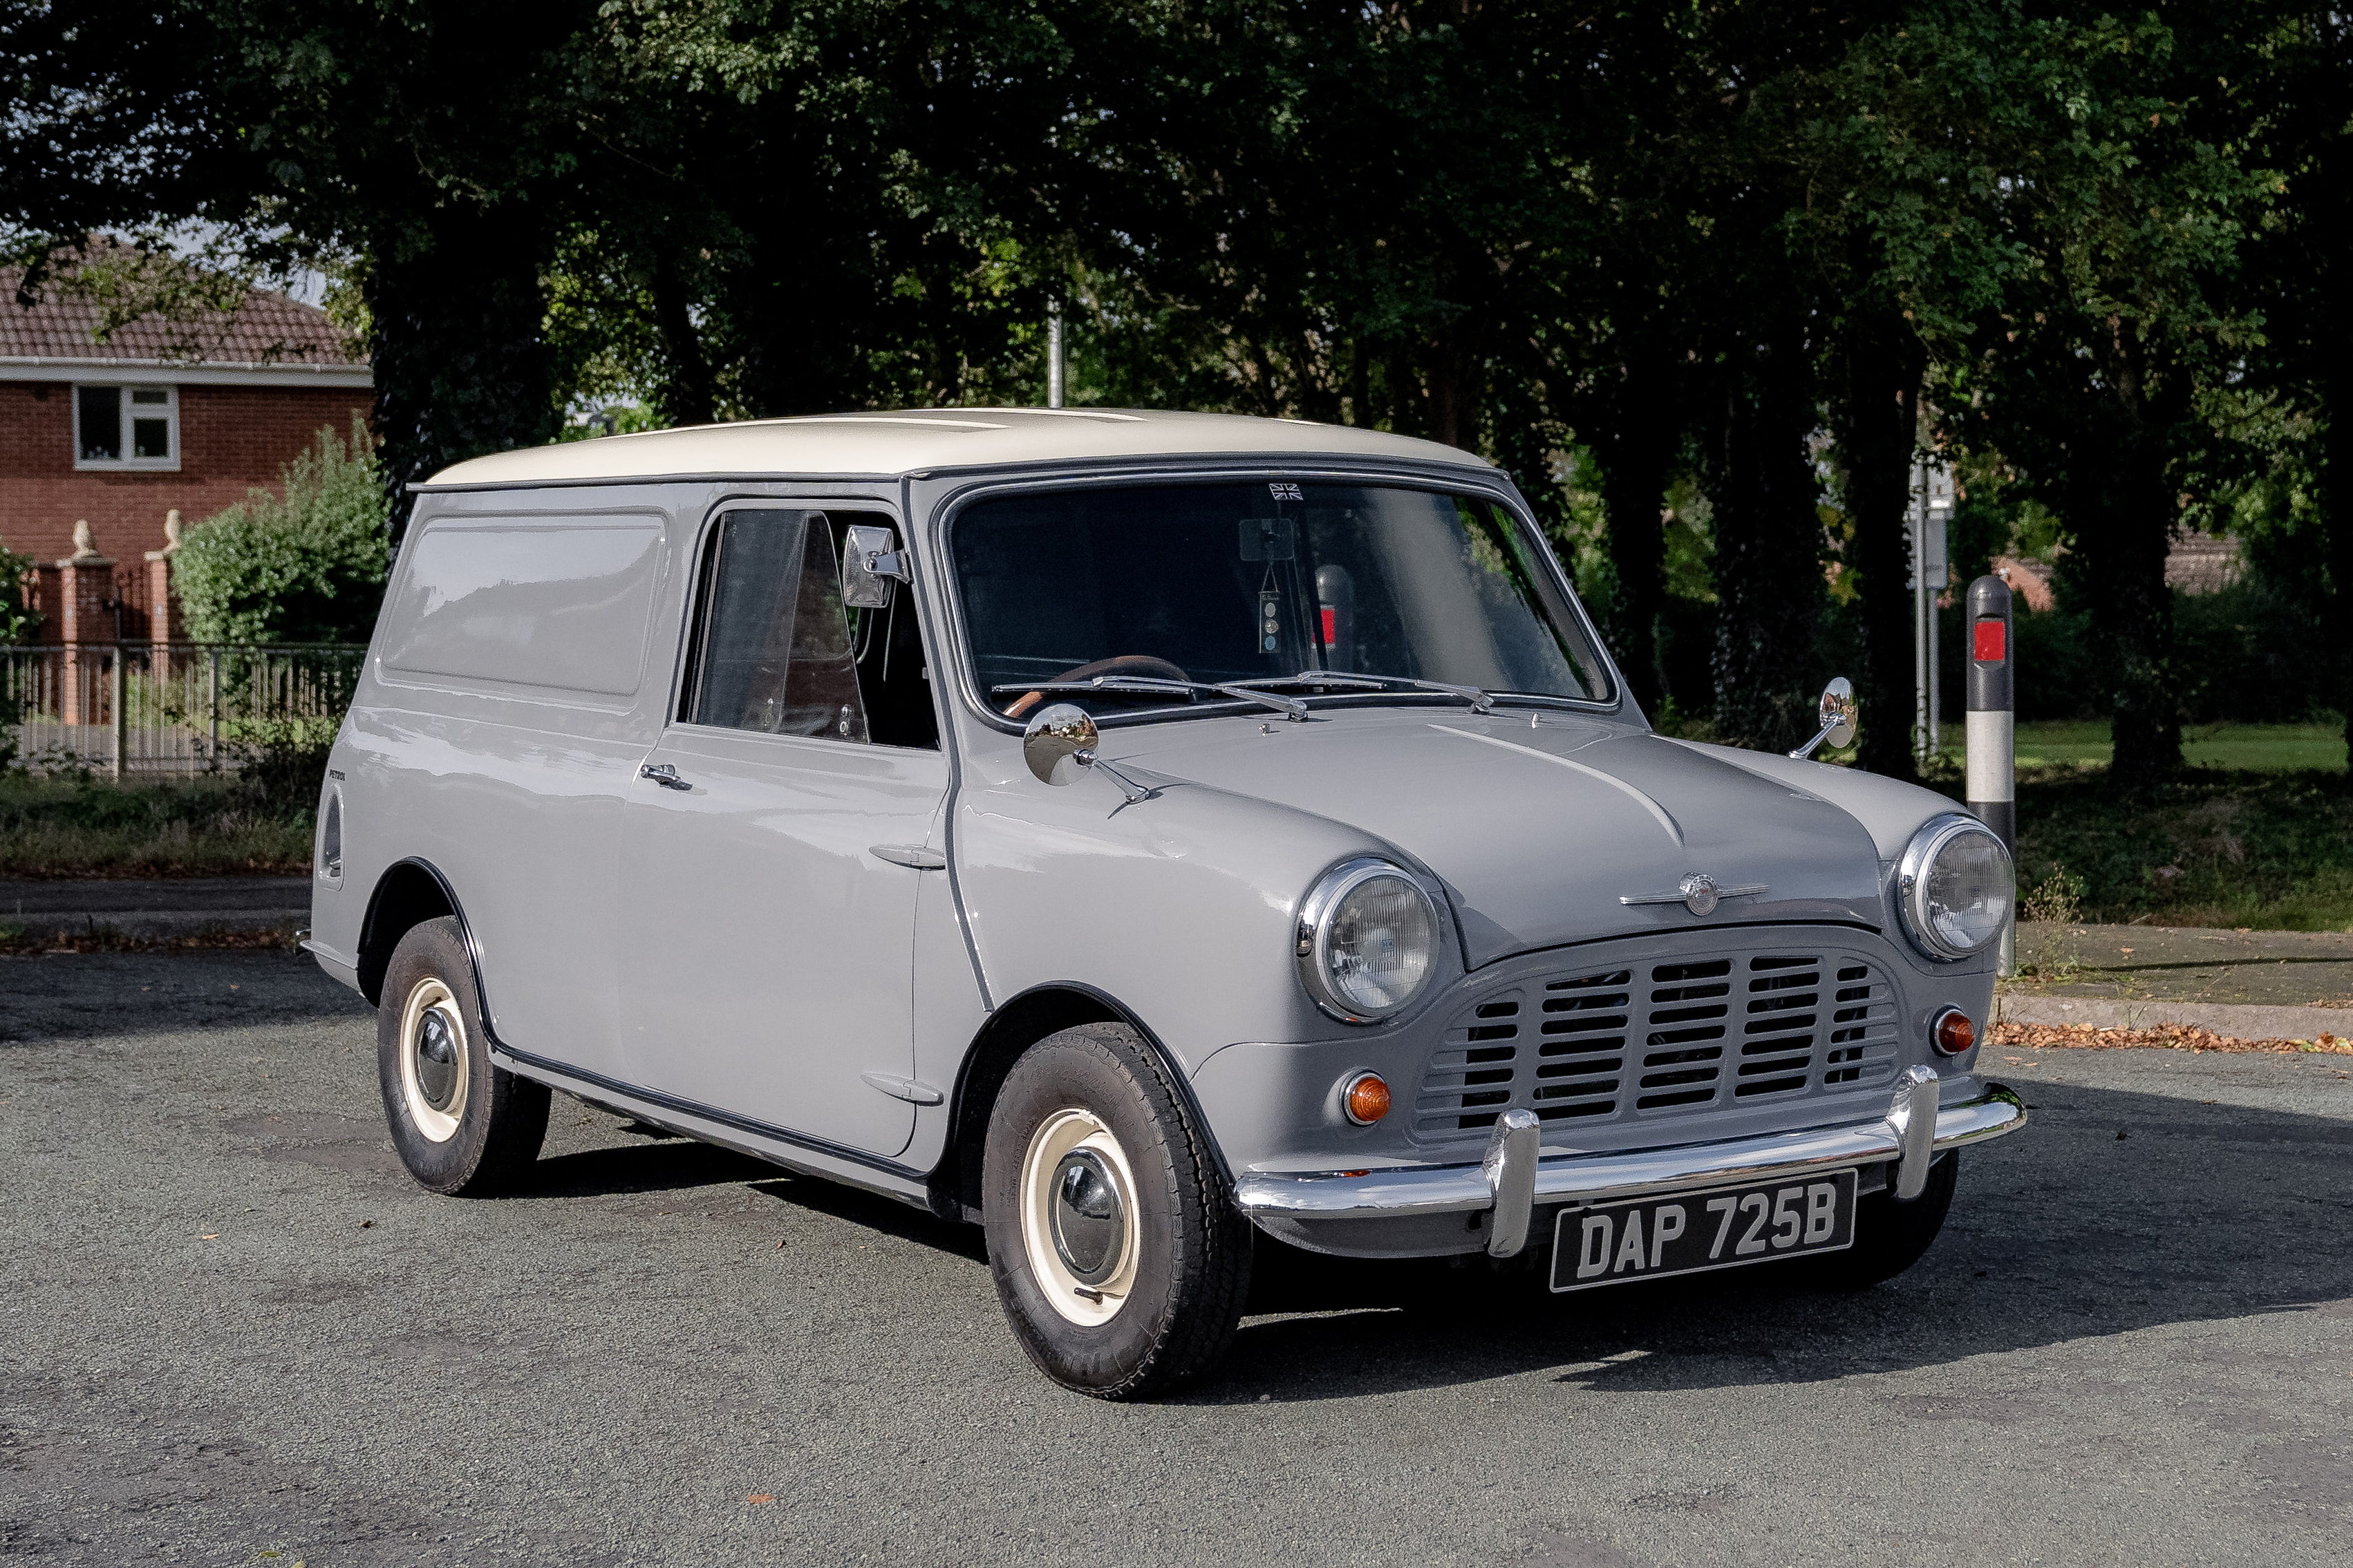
{"points": [[1261, 582]]}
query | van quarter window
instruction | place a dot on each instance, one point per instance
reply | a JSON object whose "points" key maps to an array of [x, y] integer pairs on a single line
{"points": [[772, 654]]}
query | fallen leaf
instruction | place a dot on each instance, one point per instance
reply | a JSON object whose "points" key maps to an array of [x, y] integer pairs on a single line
{"points": [[759, 1497], [2176, 1036]]}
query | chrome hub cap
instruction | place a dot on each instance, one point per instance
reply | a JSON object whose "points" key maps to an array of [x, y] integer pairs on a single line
{"points": [[1088, 1219], [1078, 1217], [435, 1059]]}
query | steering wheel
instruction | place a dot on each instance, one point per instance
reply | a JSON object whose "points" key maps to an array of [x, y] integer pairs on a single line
{"points": [[1143, 664]]}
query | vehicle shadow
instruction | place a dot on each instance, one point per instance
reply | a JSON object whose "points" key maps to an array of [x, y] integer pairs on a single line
{"points": [[652, 1167], [876, 1212], [2112, 1212]]}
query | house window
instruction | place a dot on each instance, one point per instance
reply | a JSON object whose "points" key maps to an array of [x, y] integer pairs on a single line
{"points": [[126, 428]]}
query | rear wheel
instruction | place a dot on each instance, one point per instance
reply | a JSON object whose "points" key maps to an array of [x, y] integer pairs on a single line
{"points": [[461, 1124], [1890, 1237], [1118, 1253]]}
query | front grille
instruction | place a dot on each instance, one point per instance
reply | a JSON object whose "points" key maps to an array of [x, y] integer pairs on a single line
{"points": [[1672, 1035]]}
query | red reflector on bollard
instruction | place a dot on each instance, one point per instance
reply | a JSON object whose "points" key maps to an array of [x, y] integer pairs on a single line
{"points": [[1988, 644]]}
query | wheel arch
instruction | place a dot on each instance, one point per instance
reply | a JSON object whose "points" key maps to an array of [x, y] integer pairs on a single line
{"points": [[409, 893], [1018, 1024]]}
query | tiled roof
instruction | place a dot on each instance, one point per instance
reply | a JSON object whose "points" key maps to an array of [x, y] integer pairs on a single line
{"points": [[267, 329]]}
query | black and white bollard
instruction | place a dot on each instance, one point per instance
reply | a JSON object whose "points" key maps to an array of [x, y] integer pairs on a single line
{"points": [[1992, 739]]}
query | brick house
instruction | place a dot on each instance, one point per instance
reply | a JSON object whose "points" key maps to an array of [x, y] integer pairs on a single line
{"points": [[165, 422]]}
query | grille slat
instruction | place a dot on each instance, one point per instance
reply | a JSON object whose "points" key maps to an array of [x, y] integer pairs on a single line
{"points": [[1676, 1036]]}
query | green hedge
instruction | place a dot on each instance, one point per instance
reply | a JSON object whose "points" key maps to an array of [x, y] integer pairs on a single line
{"points": [[306, 566]]}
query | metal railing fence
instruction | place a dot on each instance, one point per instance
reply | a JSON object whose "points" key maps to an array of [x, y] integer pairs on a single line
{"points": [[180, 707]]}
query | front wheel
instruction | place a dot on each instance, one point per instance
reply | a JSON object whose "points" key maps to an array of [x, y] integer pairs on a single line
{"points": [[461, 1124], [1118, 1253]]}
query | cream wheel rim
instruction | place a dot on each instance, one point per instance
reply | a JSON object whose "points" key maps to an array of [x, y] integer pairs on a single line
{"points": [[1078, 1217], [435, 1059]]}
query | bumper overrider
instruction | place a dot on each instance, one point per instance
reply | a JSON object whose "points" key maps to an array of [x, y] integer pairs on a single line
{"points": [[1431, 1208]]}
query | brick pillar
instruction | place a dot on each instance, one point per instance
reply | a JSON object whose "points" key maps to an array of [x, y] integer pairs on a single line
{"points": [[41, 598], [85, 581], [163, 610]]}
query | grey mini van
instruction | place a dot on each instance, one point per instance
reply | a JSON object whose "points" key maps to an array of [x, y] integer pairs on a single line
{"points": [[1130, 832]]}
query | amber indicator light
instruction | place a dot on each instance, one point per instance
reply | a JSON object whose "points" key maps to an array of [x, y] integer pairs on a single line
{"points": [[1368, 1100], [1954, 1033]]}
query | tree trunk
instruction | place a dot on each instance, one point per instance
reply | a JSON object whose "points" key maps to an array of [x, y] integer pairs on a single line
{"points": [[687, 396], [2336, 488], [1453, 392], [1637, 448], [2125, 528], [1878, 436], [2132, 617], [1768, 574], [460, 363]]}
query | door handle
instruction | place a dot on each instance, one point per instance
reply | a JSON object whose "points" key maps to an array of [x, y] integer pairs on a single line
{"points": [[914, 855], [663, 775]]}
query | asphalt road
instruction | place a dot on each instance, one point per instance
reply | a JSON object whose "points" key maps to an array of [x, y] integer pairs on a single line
{"points": [[232, 1328]]}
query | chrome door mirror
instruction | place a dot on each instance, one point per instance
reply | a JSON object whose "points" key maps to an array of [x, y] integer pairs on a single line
{"points": [[1061, 733], [1838, 713], [871, 568], [1062, 740]]}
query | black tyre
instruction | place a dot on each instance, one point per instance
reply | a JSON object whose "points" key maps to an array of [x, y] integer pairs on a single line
{"points": [[462, 1125], [1890, 1237], [1118, 1253]]}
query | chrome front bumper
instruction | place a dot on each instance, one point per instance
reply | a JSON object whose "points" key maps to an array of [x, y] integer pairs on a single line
{"points": [[1516, 1178]]}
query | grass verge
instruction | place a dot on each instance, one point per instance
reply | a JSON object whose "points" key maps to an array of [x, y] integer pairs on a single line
{"points": [[2242, 748], [21, 941], [205, 827], [2265, 850]]}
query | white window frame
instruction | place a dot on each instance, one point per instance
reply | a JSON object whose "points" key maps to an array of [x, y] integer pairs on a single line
{"points": [[123, 405]]}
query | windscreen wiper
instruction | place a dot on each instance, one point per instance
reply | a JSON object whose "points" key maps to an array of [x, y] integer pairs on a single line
{"points": [[1152, 686], [1480, 701]]}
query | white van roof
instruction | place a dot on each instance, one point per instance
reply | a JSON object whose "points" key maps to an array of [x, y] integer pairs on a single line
{"points": [[917, 439]]}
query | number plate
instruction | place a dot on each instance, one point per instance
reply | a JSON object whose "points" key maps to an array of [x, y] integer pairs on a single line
{"points": [[1645, 1238]]}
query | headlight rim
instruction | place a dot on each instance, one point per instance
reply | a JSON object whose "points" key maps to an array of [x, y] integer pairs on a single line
{"points": [[1912, 884], [1314, 929]]}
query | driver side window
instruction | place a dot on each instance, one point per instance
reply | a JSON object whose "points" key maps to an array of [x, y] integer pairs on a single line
{"points": [[772, 649]]}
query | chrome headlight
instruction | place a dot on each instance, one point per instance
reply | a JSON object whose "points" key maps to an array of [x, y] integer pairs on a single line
{"points": [[1368, 940], [1957, 886]]}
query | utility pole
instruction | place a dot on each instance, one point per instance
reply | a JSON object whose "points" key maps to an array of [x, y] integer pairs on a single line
{"points": [[1053, 353], [1932, 505]]}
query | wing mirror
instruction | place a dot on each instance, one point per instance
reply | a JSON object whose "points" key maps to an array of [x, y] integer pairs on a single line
{"points": [[1838, 718], [1062, 740], [871, 568]]}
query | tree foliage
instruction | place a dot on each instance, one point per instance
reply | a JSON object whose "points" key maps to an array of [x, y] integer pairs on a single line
{"points": [[1760, 256]]}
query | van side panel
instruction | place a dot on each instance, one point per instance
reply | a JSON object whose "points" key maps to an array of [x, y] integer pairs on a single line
{"points": [[515, 683]]}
